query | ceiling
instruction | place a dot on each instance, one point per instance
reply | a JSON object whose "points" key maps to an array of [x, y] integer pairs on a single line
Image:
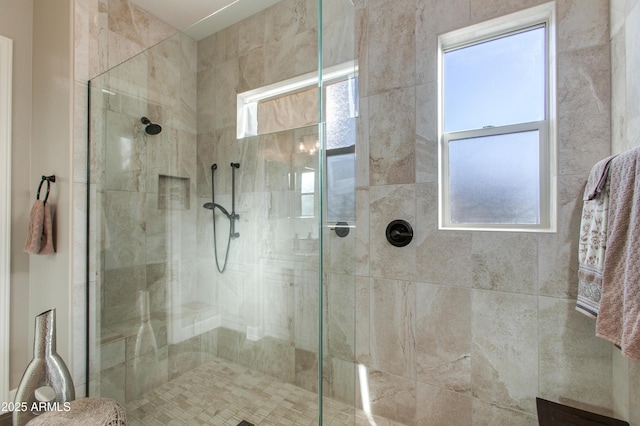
{"points": [[201, 18]]}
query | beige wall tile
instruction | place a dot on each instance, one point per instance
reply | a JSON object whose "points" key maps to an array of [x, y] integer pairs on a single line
{"points": [[426, 133], [633, 70], [388, 203], [392, 137], [440, 407], [362, 248], [342, 316], [574, 364], [443, 341], [618, 92], [393, 305], [391, 56], [393, 397], [124, 231], [582, 24], [504, 367], [557, 252], [442, 257], [583, 115], [363, 331], [505, 261], [486, 413], [482, 10], [634, 392]]}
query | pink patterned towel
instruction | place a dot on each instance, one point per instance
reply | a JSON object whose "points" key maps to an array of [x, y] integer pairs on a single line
{"points": [[47, 234], [36, 228], [592, 243], [619, 316], [598, 178], [40, 233]]}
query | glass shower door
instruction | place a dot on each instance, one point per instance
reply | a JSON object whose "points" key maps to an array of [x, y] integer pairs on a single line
{"points": [[276, 328]]}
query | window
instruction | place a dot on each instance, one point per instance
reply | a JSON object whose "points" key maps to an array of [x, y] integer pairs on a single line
{"points": [[496, 118], [341, 112], [293, 104], [288, 104]]}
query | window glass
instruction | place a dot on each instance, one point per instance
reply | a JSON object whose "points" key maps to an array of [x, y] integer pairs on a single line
{"points": [[341, 184], [341, 113], [495, 179], [496, 82], [307, 197], [497, 124]]}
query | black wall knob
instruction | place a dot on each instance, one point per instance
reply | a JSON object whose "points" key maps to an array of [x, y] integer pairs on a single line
{"points": [[399, 233], [342, 229]]}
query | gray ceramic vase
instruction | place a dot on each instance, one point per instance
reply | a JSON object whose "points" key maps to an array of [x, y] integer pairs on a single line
{"points": [[45, 369]]}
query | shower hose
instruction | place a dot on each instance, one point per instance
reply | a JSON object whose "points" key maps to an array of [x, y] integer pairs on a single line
{"points": [[231, 216]]}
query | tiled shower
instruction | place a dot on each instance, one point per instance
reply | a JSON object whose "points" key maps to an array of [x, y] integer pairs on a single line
{"points": [[162, 308]]}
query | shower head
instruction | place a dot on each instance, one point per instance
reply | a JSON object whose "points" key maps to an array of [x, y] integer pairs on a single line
{"points": [[151, 129]]}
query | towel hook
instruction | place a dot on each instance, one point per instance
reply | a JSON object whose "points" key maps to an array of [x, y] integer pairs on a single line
{"points": [[48, 179]]}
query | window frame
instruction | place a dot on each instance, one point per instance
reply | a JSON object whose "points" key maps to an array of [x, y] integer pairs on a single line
{"points": [[247, 102], [543, 15]]}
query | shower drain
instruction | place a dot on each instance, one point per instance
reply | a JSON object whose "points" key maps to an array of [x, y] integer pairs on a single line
{"points": [[245, 423]]}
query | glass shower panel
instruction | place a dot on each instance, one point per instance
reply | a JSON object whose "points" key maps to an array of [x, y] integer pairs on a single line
{"points": [[280, 319], [147, 294], [268, 295], [340, 109]]}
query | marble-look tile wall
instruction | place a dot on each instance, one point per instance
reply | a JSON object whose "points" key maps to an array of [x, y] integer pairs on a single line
{"points": [[250, 54], [106, 33], [268, 295], [470, 327], [625, 134], [150, 295], [449, 300]]}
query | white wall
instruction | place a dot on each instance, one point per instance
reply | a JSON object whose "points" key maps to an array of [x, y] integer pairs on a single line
{"points": [[16, 23], [52, 133]]}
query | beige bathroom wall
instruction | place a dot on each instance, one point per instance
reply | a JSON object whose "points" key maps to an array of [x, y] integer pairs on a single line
{"points": [[271, 280], [470, 327], [52, 133], [481, 372], [625, 133], [16, 23]]}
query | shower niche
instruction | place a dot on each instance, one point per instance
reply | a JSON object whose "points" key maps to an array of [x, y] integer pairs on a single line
{"points": [[173, 193]]}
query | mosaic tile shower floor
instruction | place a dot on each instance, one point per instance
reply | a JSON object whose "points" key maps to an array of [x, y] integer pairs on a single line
{"points": [[224, 394]]}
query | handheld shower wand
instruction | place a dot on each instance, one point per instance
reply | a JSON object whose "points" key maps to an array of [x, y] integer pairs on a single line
{"points": [[233, 216]]}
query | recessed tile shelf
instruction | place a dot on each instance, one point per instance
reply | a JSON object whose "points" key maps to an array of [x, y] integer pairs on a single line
{"points": [[173, 193]]}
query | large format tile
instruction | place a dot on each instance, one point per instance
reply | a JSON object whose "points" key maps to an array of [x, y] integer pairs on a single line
{"points": [[393, 327], [575, 365], [342, 316], [392, 137], [392, 396], [582, 24], [124, 229], [632, 35], [558, 252], [583, 115], [388, 203], [426, 133], [505, 261], [443, 337], [441, 407], [391, 48], [504, 352], [486, 413]]}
